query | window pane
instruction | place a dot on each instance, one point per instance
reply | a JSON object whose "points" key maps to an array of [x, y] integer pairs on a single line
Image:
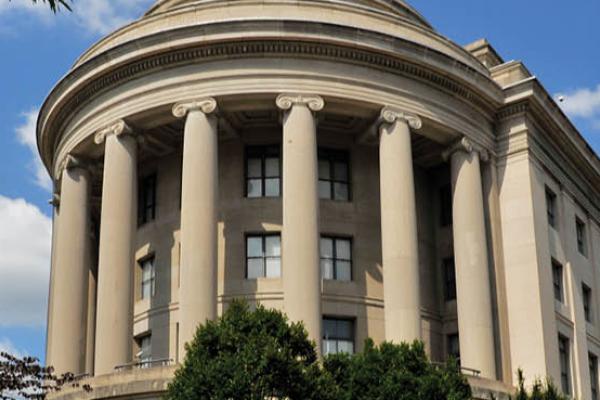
{"points": [[326, 248], [146, 290], [340, 191], [329, 347], [273, 267], [254, 168], [327, 269], [324, 170], [273, 245], [324, 190], [342, 248], [255, 268], [329, 327], [344, 271], [344, 329], [254, 188], [340, 171], [147, 270], [345, 346], [272, 167], [254, 246], [272, 187]]}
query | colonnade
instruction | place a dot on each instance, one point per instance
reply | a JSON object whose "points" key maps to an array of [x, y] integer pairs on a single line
{"points": [[301, 276]]}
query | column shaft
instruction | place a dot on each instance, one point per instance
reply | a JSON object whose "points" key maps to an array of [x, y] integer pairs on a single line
{"points": [[472, 272], [399, 237], [69, 305], [300, 236], [114, 314], [198, 291]]}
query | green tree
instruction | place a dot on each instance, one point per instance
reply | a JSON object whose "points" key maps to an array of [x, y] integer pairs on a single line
{"points": [[398, 372], [252, 356], [54, 4], [539, 390]]}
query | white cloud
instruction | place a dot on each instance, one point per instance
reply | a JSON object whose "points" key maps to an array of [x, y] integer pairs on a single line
{"points": [[583, 103], [26, 136], [96, 17], [7, 346], [25, 236]]}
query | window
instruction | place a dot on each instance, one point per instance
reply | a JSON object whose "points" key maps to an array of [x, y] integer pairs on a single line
{"points": [[334, 175], [263, 171], [336, 258], [338, 336], [453, 344], [148, 278], [593, 360], [581, 237], [557, 280], [144, 344], [449, 279], [551, 207], [446, 205], [565, 373], [263, 256], [586, 294], [147, 199]]}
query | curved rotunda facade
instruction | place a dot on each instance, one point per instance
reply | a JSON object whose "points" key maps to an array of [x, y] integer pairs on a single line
{"points": [[338, 160]]}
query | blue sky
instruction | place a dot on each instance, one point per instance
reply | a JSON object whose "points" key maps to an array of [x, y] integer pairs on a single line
{"points": [[559, 42]]}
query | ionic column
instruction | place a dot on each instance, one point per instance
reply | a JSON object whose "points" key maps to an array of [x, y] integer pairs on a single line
{"points": [[300, 236], [71, 268], [474, 301], [199, 193], [399, 238], [114, 313]]}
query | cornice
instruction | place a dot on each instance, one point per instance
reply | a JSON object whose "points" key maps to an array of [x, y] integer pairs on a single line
{"points": [[286, 101]]}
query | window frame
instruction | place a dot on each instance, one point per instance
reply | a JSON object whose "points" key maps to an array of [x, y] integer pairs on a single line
{"points": [[334, 259], [449, 295], [262, 152], [593, 367], [337, 339], [449, 338], [263, 236], [140, 344], [152, 280], [147, 203], [564, 358], [581, 236], [333, 156], [558, 271], [551, 207]]}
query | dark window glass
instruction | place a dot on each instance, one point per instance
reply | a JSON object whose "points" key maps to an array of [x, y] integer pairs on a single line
{"points": [[593, 360], [453, 344], [148, 278], [565, 370], [338, 336], [334, 175], [449, 279], [263, 171], [144, 344], [336, 258], [147, 199], [557, 280], [446, 205], [586, 293], [551, 207], [581, 237], [263, 256]]}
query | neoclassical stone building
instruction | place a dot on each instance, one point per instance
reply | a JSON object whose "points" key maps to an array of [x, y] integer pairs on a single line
{"points": [[336, 159]]}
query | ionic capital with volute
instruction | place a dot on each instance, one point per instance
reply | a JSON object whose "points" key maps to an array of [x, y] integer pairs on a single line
{"points": [[207, 105], [389, 115], [468, 146], [286, 101], [72, 161], [118, 128]]}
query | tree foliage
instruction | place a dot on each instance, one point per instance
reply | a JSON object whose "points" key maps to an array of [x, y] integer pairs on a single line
{"points": [[398, 372], [25, 378], [257, 355], [55, 5], [539, 390]]}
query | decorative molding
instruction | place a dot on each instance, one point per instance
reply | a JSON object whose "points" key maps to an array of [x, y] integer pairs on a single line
{"points": [[390, 115], [465, 144], [206, 105], [314, 102], [71, 161], [118, 128]]}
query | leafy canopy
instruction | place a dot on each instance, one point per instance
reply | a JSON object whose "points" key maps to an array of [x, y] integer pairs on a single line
{"points": [[539, 390], [258, 355], [54, 4]]}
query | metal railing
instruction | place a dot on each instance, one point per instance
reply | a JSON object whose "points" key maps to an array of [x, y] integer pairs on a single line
{"points": [[160, 362], [463, 370]]}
